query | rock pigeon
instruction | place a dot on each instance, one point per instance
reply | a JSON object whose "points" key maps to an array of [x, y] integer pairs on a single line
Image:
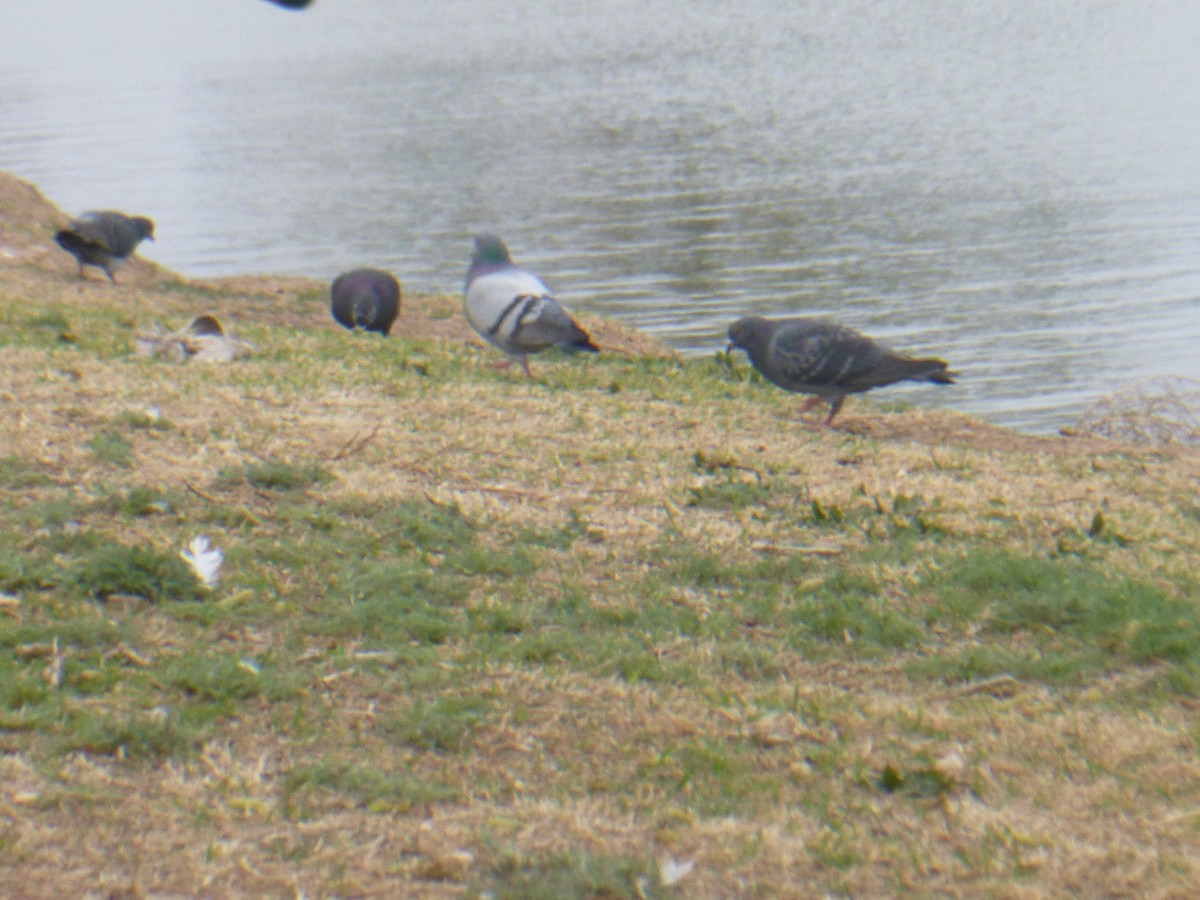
{"points": [[513, 310], [815, 356], [366, 298], [104, 239], [292, 4]]}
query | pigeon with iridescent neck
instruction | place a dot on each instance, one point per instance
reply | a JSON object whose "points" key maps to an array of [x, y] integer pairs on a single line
{"points": [[512, 309], [827, 360]]}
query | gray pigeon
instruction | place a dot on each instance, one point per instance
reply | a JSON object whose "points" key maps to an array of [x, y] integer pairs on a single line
{"points": [[513, 310], [104, 239], [292, 4], [815, 356], [366, 298]]}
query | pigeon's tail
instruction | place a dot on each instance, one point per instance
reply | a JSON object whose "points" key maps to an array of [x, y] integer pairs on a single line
{"points": [[365, 306], [930, 369], [581, 342], [72, 242]]}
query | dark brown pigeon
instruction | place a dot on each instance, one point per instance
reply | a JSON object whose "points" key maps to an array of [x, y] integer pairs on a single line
{"points": [[366, 298], [104, 239], [815, 356]]}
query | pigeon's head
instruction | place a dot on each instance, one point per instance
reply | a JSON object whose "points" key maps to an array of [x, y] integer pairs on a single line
{"points": [[748, 332], [145, 227], [490, 251]]}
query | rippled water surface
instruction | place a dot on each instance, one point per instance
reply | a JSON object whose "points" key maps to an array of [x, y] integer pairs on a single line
{"points": [[1015, 187]]}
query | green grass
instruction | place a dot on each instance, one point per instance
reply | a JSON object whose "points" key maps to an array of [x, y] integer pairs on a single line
{"points": [[112, 448], [579, 875], [445, 725], [276, 475], [1078, 615], [223, 679], [19, 473], [142, 420], [134, 736], [376, 790], [137, 501], [141, 571], [633, 594]]}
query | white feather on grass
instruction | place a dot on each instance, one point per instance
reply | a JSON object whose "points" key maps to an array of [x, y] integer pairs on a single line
{"points": [[204, 560], [671, 872]]}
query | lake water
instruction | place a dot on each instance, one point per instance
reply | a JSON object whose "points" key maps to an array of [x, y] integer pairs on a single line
{"points": [[1013, 186]]}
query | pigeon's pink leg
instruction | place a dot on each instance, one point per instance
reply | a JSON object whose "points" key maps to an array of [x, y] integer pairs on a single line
{"points": [[834, 406], [506, 362], [808, 405]]}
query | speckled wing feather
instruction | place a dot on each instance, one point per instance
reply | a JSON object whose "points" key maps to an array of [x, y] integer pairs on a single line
{"points": [[114, 233], [104, 238], [816, 356]]}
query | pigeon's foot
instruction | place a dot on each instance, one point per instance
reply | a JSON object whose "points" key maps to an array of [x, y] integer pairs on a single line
{"points": [[808, 406], [507, 364], [833, 410]]}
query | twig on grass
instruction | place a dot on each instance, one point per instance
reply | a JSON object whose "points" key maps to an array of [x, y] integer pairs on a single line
{"points": [[763, 547], [356, 444], [997, 686], [199, 493]]}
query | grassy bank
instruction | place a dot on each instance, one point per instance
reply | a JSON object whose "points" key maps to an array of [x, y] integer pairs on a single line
{"points": [[476, 634]]}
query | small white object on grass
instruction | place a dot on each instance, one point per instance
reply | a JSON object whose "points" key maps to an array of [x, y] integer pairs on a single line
{"points": [[204, 559], [672, 872]]}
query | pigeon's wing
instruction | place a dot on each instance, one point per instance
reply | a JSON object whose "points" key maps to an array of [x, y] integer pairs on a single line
{"points": [[342, 300], [79, 245], [823, 355], [112, 232], [87, 233], [547, 324], [500, 304]]}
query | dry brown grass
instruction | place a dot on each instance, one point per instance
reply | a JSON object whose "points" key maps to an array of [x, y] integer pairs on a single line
{"points": [[1086, 787], [1164, 410]]}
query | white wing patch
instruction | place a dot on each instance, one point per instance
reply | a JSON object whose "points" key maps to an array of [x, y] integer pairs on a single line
{"points": [[498, 304]]}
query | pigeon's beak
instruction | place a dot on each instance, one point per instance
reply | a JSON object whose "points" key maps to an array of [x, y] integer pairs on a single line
{"points": [[729, 348]]}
